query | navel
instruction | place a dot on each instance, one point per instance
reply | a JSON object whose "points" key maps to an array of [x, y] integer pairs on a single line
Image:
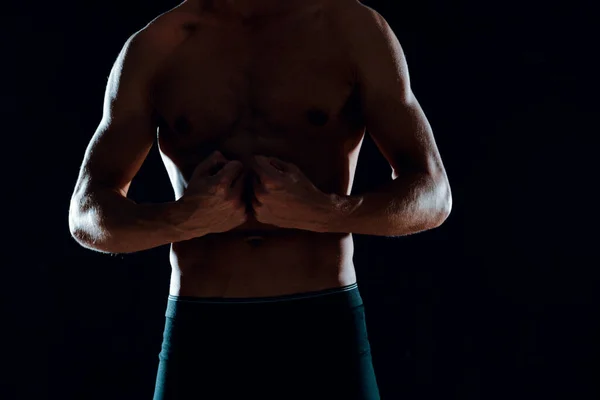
{"points": [[317, 117], [254, 241]]}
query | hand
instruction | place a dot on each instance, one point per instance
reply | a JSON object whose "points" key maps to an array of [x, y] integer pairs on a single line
{"points": [[285, 197], [212, 201]]}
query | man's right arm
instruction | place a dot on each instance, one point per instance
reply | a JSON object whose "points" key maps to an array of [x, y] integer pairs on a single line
{"points": [[101, 217]]}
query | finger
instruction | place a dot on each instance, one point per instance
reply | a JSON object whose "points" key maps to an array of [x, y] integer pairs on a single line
{"points": [[265, 166], [288, 168], [261, 186], [239, 179], [227, 174], [260, 194], [279, 165], [257, 179], [292, 171], [211, 164], [237, 186], [258, 209], [270, 177]]}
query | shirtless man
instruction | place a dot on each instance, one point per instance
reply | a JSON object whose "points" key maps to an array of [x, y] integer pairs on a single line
{"points": [[259, 109]]}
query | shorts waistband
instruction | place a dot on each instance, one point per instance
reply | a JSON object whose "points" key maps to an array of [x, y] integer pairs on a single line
{"points": [[268, 299], [346, 296]]}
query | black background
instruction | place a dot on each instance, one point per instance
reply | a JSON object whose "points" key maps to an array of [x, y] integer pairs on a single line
{"points": [[500, 302]]}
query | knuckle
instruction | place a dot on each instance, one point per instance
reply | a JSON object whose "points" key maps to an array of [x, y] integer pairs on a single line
{"points": [[211, 189], [224, 179], [229, 203], [220, 189], [233, 166], [260, 195], [237, 204], [270, 184]]}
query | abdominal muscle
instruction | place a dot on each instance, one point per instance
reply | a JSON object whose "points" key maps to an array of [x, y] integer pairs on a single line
{"points": [[261, 263]]}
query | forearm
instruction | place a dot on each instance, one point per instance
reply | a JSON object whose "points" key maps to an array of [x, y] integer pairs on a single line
{"points": [[411, 203], [105, 221]]}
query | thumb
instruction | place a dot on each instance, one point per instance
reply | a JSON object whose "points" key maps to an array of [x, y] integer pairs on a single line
{"points": [[210, 165]]}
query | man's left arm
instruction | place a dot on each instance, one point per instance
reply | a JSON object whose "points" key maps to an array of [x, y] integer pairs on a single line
{"points": [[419, 197]]}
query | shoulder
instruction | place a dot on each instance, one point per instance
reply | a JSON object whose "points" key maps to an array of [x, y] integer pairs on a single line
{"points": [[348, 13], [358, 23], [365, 34], [145, 49], [165, 31]]}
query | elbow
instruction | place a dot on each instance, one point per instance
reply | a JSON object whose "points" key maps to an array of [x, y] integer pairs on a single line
{"points": [[440, 201], [444, 204], [77, 221], [81, 232], [91, 242], [85, 229], [75, 229], [82, 238], [444, 212]]}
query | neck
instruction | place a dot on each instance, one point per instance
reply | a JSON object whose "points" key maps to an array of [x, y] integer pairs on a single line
{"points": [[247, 8]]}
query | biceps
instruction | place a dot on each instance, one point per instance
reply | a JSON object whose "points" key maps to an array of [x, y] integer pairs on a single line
{"points": [[127, 130], [117, 151], [402, 133]]}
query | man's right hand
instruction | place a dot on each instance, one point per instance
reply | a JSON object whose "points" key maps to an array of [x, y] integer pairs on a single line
{"points": [[212, 201]]}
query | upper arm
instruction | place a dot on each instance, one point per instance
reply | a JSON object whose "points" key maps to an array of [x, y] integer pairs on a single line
{"points": [[392, 114], [127, 129], [128, 126]]}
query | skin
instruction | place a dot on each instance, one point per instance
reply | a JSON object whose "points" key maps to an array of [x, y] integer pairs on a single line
{"points": [[259, 109]]}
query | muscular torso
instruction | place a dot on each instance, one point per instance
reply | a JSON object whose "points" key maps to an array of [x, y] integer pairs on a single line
{"points": [[279, 86]]}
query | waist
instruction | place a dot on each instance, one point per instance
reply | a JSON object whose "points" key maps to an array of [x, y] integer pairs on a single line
{"points": [[345, 297], [228, 266]]}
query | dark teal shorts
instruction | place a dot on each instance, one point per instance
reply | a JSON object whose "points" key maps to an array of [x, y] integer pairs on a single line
{"points": [[303, 346]]}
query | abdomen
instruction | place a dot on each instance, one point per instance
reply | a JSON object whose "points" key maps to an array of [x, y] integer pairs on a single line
{"points": [[282, 261]]}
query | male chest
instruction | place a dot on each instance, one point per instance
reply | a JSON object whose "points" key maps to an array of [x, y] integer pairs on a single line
{"points": [[268, 77]]}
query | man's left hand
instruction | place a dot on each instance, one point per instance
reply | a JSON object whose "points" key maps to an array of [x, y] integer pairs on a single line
{"points": [[286, 198]]}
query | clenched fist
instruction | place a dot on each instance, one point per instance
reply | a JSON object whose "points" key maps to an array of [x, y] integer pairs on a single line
{"points": [[212, 201]]}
